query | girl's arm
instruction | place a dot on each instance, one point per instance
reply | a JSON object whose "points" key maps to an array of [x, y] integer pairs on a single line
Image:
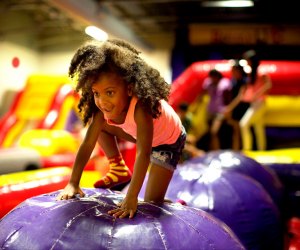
{"points": [[236, 100], [144, 123], [82, 157]]}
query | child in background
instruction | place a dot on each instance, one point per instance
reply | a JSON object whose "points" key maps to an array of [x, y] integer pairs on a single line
{"points": [[185, 116], [190, 148], [235, 108], [258, 85], [216, 86], [123, 97]]}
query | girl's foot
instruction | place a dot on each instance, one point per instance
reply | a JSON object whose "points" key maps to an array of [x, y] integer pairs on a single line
{"points": [[118, 174]]}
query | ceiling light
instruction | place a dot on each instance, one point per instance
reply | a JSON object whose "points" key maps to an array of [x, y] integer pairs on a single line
{"points": [[228, 3], [96, 33]]}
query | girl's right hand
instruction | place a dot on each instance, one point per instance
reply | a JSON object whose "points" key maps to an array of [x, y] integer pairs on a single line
{"points": [[69, 192]]}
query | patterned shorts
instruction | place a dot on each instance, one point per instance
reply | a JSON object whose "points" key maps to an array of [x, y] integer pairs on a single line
{"points": [[168, 155]]}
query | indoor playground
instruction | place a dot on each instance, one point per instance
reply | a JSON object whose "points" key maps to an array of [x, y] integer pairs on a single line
{"points": [[44, 127], [221, 199]]}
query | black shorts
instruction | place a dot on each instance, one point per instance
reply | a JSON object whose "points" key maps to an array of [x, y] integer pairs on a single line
{"points": [[240, 110]]}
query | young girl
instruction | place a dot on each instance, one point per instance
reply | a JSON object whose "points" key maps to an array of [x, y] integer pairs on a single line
{"points": [[256, 90], [122, 96]]}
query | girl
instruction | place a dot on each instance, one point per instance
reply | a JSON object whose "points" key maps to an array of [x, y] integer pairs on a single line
{"points": [[254, 96], [123, 97]]}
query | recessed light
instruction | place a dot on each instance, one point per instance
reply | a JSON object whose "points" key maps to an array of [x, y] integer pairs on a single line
{"points": [[96, 33], [228, 3]]}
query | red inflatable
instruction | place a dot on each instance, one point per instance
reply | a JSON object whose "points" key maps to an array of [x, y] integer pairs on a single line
{"points": [[285, 77], [17, 187], [294, 234]]}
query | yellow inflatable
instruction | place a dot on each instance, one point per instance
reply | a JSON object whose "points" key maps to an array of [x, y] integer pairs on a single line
{"points": [[286, 156], [49, 142]]}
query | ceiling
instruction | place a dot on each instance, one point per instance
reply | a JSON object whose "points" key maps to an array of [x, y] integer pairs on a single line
{"points": [[151, 17], [142, 22]]}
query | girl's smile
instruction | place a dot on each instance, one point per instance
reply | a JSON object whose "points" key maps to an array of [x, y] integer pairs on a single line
{"points": [[112, 96]]}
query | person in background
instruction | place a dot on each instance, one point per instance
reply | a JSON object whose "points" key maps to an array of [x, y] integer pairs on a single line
{"points": [[123, 97], [215, 86], [257, 86], [190, 149], [185, 116], [235, 109]]}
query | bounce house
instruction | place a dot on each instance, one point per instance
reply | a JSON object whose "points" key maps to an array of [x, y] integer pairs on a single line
{"points": [[44, 103], [37, 123], [282, 117]]}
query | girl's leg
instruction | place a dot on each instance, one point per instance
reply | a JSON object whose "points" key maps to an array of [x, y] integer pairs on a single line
{"points": [[259, 127], [236, 138], [158, 182], [245, 125], [118, 172], [214, 133], [253, 116]]}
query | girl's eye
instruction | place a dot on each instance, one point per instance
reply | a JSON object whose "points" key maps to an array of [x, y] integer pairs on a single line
{"points": [[96, 94], [110, 93]]}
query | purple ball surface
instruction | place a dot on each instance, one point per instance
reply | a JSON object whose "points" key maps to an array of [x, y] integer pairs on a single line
{"points": [[234, 198], [230, 160], [41, 222]]}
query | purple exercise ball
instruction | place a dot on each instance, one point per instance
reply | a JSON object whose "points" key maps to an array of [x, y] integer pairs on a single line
{"points": [[236, 161], [41, 222], [234, 198]]}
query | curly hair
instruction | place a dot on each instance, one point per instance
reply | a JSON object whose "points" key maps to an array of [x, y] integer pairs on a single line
{"points": [[94, 58]]}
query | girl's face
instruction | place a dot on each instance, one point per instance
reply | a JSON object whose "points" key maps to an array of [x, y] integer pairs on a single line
{"points": [[112, 97]]}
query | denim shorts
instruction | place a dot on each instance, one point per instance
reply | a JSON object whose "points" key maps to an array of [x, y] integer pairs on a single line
{"points": [[168, 155]]}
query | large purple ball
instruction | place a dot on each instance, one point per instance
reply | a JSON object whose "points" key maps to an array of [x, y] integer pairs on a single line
{"points": [[41, 222], [236, 199], [238, 162]]}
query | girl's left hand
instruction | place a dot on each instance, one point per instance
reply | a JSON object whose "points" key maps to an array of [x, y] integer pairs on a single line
{"points": [[126, 208]]}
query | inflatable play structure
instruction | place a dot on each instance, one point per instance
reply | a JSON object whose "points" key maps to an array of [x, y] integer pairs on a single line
{"points": [[45, 103], [283, 101], [17, 187], [36, 124], [239, 162], [83, 223], [235, 189], [286, 164], [285, 77]]}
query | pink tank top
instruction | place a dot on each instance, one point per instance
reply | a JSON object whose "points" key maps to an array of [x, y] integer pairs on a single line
{"points": [[167, 127], [252, 89]]}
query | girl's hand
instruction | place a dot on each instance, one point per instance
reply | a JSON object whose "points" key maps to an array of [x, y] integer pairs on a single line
{"points": [[69, 192], [126, 208], [226, 111]]}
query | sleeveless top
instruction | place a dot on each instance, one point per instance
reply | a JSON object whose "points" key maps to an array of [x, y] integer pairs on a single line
{"points": [[166, 128], [252, 89]]}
